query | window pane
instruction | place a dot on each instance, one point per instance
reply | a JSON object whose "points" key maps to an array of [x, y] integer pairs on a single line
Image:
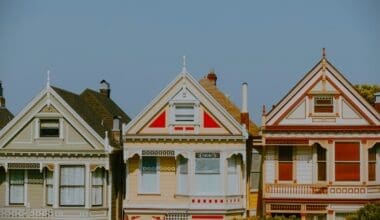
{"points": [[321, 171], [49, 128], [72, 196], [97, 177], [184, 113], [183, 167], [372, 154], [372, 171], [35, 177], [347, 171], [72, 185], [232, 165], [285, 153], [323, 104], [149, 179], [16, 193], [256, 163], [72, 175], [255, 181], [207, 162], [16, 176], [49, 194], [208, 184], [97, 195], [347, 151], [321, 153]]}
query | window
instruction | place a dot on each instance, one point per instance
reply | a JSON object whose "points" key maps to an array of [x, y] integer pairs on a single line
{"points": [[321, 160], [72, 187], [16, 187], [149, 175], [347, 161], [49, 128], [372, 163], [97, 187], [207, 173], [184, 113], [49, 187], [182, 175], [323, 104], [232, 176], [255, 171], [285, 163]]}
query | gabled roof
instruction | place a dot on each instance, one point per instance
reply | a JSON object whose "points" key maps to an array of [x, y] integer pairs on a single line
{"points": [[5, 117], [346, 87], [226, 103], [96, 109]]}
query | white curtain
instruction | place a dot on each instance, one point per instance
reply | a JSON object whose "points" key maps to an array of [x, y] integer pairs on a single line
{"points": [[232, 176], [207, 175], [183, 175], [72, 185], [149, 179], [97, 187], [49, 187], [16, 186]]}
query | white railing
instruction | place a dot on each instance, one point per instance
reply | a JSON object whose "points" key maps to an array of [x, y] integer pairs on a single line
{"points": [[50, 213], [320, 191]]}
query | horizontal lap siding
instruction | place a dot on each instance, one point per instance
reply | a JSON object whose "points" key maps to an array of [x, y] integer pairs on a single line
{"points": [[35, 195], [304, 165]]}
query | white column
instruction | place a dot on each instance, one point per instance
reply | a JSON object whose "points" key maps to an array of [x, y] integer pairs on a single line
{"points": [[87, 186], [7, 186], [363, 163], [315, 164], [56, 186], [223, 170], [191, 173]]}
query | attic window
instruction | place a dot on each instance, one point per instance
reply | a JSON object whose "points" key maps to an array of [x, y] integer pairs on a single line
{"points": [[323, 104], [49, 128], [184, 113]]}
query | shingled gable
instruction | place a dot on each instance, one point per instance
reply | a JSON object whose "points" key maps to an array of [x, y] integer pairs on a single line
{"points": [[227, 104], [305, 84], [137, 123]]}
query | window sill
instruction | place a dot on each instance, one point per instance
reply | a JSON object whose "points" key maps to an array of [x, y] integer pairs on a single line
{"points": [[181, 195], [148, 194]]}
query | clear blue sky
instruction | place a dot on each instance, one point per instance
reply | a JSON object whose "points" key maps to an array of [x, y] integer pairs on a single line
{"points": [[138, 45]]}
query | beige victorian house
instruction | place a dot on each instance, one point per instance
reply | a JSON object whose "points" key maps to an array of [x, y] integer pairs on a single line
{"points": [[59, 157]]}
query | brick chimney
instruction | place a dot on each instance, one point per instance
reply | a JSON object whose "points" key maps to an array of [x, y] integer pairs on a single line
{"points": [[105, 88], [244, 115], [2, 99], [212, 77], [377, 101]]}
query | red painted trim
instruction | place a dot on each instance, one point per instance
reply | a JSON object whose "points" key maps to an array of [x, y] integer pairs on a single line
{"points": [[159, 122], [189, 128], [178, 128], [314, 200], [209, 122], [287, 141], [286, 128], [207, 217]]}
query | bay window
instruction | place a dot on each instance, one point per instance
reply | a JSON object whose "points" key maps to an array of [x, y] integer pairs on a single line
{"points": [[97, 179], [16, 187], [321, 160], [347, 161], [72, 185], [207, 173], [372, 163], [149, 175], [49, 187], [232, 176], [182, 175], [285, 163]]}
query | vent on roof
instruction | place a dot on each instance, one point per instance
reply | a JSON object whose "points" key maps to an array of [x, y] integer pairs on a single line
{"points": [[105, 88], [2, 99]]}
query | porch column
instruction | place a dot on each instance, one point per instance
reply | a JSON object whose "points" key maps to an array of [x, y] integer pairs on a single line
{"points": [[56, 186], [87, 200]]}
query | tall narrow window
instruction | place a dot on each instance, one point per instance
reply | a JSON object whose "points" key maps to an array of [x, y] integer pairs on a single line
{"points": [[285, 163], [97, 179], [149, 175], [255, 171], [184, 113], [16, 186], [323, 104], [49, 128], [372, 163], [72, 185], [207, 173], [49, 186], [347, 161], [232, 176], [182, 175], [321, 160]]}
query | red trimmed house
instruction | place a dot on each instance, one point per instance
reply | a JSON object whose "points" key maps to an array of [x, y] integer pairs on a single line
{"points": [[322, 148]]}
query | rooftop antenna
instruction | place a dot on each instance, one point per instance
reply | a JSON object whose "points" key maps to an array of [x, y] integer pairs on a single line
{"points": [[184, 70]]}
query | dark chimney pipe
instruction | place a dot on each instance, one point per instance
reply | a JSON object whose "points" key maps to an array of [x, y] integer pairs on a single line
{"points": [[105, 88]]}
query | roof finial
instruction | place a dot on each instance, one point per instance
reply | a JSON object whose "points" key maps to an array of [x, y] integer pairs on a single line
{"points": [[184, 64], [324, 53], [48, 78]]}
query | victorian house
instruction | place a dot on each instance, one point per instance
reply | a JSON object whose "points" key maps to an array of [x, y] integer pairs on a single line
{"points": [[322, 148], [185, 154], [61, 157]]}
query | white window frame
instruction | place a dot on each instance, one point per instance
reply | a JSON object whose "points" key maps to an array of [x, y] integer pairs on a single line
{"points": [[25, 188], [322, 96], [47, 185], [219, 174], [93, 186], [184, 191], [172, 112], [141, 190], [61, 167]]}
